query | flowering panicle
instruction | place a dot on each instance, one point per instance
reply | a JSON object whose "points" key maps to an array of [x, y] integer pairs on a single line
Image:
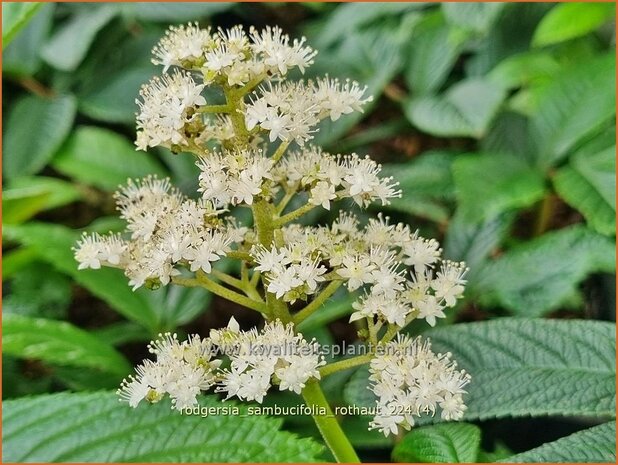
{"points": [[251, 146], [410, 380], [259, 360]]}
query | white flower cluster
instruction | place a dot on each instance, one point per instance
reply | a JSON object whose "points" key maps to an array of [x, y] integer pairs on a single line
{"points": [[275, 355], [168, 104], [182, 370], [260, 359], [170, 107], [166, 229], [401, 273], [233, 177], [410, 380], [231, 56], [328, 177], [290, 110]]}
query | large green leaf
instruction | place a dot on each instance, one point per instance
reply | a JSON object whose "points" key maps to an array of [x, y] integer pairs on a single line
{"points": [[466, 109], [577, 104], [53, 244], [570, 20], [490, 184], [22, 57], [49, 119], [541, 274], [426, 183], [103, 158], [96, 427], [476, 16], [69, 45], [534, 367], [432, 52], [522, 69], [177, 305], [444, 443], [59, 342], [593, 445], [588, 183], [14, 17]]}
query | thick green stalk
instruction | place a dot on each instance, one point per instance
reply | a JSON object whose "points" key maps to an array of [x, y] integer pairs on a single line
{"points": [[317, 302], [328, 425], [345, 364]]}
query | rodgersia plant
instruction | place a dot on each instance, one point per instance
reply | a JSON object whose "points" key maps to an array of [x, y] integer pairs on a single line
{"points": [[174, 239]]}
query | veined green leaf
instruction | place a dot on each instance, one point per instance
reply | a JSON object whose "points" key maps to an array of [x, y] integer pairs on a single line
{"points": [[69, 427], [475, 16], [49, 119], [588, 183], [488, 185], [538, 276], [465, 109], [59, 342], [534, 367], [569, 20], [443, 443], [593, 445], [578, 103], [14, 17], [102, 158]]}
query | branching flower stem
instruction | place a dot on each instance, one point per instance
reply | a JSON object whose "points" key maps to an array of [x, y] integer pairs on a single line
{"points": [[328, 291], [293, 215], [345, 364]]}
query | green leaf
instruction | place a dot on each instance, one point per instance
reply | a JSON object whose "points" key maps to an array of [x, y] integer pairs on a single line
{"points": [[37, 290], [426, 183], [22, 57], [570, 20], [444, 443], [588, 183], [534, 367], [539, 275], [577, 104], [372, 58], [474, 243], [69, 45], [49, 119], [465, 109], [176, 12], [103, 158], [177, 305], [53, 244], [488, 185], [475, 16], [59, 342], [592, 445], [356, 391], [528, 68], [349, 18], [335, 308], [16, 260], [70, 427], [114, 101], [28, 196], [433, 50], [14, 17]]}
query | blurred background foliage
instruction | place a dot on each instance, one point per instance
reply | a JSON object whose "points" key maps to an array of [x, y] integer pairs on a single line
{"points": [[497, 119]]}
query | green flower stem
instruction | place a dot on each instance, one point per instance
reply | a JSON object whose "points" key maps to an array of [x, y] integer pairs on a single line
{"points": [[328, 425], [293, 215], [391, 332], [373, 331], [345, 364], [280, 151], [214, 109], [317, 302], [244, 256], [229, 280], [284, 202], [221, 292]]}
